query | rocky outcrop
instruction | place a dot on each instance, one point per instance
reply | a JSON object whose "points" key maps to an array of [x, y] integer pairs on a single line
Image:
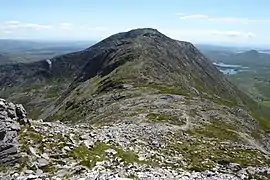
{"points": [[145, 145], [11, 116], [124, 150]]}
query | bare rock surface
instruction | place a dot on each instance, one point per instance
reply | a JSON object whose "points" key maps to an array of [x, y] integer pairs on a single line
{"points": [[11, 116], [130, 150]]}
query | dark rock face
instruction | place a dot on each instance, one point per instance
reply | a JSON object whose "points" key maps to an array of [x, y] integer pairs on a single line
{"points": [[11, 116]]}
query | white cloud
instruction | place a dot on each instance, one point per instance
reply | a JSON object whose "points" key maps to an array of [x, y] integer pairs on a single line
{"points": [[16, 29], [211, 35], [66, 26], [36, 26], [250, 34], [6, 32], [10, 25], [233, 33], [223, 19]]}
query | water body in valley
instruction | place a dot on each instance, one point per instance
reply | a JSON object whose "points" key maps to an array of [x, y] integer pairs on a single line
{"points": [[229, 69]]}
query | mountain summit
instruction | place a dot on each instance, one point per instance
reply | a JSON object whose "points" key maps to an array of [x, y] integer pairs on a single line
{"points": [[138, 104], [146, 56]]}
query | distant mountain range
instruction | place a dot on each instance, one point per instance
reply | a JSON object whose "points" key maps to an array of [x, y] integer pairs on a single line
{"points": [[231, 48], [29, 51], [245, 58], [267, 51], [13, 51]]}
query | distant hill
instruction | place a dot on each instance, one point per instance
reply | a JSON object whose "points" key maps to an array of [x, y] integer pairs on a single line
{"points": [[29, 51], [220, 48], [246, 58], [11, 46]]}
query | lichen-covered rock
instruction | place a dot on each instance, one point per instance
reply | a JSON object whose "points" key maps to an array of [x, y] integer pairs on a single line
{"points": [[11, 116]]}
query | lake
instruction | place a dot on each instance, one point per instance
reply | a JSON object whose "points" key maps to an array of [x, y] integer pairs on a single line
{"points": [[229, 69], [227, 65]]}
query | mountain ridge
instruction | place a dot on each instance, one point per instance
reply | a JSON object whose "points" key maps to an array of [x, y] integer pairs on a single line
{"points": [[145, 98], [200, 77]]}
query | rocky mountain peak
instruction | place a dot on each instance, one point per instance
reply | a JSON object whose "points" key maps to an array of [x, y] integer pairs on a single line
{"points": [[146, 32], [136, 105], [152, 57]]}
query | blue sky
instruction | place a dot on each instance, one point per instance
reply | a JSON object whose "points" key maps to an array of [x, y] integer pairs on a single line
{"points": [[199, 21]]}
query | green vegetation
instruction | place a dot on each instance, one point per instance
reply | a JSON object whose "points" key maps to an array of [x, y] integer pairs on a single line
{"points": [[168, 89], [259, 107], [32, 87], [28, 136], [224, 102], [3, 168], [89, 157], [53, 92], [48, 169], [162, 117], [34, 113], [265, 103], [254, 81], [261, 115], [218, 131], [259, 176], [259, 112], [129, 157], [54, 117], [178, 90], [202, 156], [35, 97]]}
